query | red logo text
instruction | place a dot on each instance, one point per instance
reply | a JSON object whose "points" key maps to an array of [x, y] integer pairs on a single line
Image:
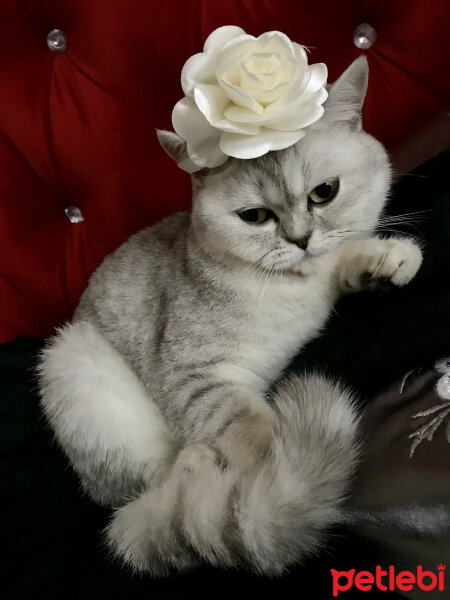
{"points": [[388, 580]]}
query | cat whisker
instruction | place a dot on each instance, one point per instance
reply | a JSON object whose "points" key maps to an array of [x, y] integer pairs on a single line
{"points": [[384, 229], [325, 221], [258, 269], [399, 221], [342, 233], [407, 235], [412, 175], [225, 251], [261, 272], [261, 258], [418, 214], [263, 291]]}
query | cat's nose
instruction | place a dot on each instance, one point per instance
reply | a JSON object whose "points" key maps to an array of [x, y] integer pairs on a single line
{"points": [[303, 242]]}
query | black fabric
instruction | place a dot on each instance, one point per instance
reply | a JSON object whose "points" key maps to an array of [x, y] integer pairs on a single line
{"points": [[375, 337], [51, 534]]}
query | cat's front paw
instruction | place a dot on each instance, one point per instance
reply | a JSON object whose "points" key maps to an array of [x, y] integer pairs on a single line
{"points": [[401, 262], [380, 263], [247, 439]]}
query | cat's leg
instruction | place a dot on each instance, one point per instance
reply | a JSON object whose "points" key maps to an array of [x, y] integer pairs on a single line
{"points": [[369, 263], [113, 434], [229, 417], [266, 518]]}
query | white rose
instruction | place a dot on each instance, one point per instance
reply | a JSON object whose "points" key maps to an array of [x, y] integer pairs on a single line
{"points": [[246, 96]]}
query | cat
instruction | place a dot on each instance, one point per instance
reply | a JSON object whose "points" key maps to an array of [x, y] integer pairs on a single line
{"points": [[161, 389]]}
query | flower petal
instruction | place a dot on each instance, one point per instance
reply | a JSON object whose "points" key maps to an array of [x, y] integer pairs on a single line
{"points": [[212, 101], [302, 117], [314, 79], [300, 54], [189, 165], [232, 74], [321, 95], [201, 137], [318, 78], [239, 114], [299, 79], [303, 77], [246, 146], [241, 97], [246, 96], [266, 87], [188, 121], [275, 41], [198, 68], [236, 49], [266, 97], [220, 36], [212, 157]]}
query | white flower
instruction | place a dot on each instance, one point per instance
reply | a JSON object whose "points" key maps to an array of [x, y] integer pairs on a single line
{"points": [[246, 96]]}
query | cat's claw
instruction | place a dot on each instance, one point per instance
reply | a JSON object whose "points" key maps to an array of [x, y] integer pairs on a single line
{"points": [[375, 284]]}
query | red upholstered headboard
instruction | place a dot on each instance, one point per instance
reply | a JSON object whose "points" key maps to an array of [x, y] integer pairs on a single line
{"points": [[77, 127]]}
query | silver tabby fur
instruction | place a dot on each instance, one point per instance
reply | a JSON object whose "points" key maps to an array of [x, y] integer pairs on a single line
{"points": [[159, 391]]}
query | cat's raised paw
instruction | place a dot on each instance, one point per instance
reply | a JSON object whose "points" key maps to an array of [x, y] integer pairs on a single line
{"points": [[399, 263], [377, 264]]}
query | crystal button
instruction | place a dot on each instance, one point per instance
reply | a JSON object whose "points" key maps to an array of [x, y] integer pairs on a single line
{"points": [[74, 214], [56, 41], [364, 36]]}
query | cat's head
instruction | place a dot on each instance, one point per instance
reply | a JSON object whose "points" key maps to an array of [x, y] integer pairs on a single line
{"points": [[282, 210]]}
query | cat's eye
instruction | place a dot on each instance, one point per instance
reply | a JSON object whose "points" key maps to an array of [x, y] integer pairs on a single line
{"points": [[324, 192], [256, 216]]}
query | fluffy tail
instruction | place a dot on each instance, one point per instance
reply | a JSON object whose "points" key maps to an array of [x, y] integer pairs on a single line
{"points": [[265, 520]]}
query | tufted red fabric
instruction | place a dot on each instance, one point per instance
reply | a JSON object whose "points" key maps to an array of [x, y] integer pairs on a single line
{"points": [[77, 128]]}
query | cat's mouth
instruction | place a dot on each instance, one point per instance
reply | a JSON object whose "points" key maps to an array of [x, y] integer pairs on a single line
{"points": [[293, 261], [290, 258], [299, 261]]}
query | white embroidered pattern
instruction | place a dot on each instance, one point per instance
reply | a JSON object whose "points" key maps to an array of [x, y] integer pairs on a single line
{"points": [[439, 412]]}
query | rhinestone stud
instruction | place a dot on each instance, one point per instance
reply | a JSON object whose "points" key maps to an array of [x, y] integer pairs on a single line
{"points": [[364, 36], [74, 214], [56, 41]]}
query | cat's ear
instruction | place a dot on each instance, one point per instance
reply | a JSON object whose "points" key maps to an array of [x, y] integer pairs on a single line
{"points": [[175, 146], [346, 95]]}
